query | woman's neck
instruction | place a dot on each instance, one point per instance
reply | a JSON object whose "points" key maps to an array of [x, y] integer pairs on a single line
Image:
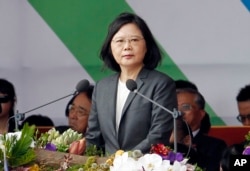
{"points": [[4, 125], [129, 73]]}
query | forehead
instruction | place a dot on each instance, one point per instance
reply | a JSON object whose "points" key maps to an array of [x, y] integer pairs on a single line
{"points": [[129, 29], [81, 98], [244, 107], [186, 97]]}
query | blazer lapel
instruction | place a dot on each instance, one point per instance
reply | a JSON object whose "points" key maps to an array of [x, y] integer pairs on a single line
{"points": [[112, 102], [131, 96]]}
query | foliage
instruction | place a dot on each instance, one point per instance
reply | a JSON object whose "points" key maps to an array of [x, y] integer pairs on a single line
{"points": [[18, 146], [247, 144], [247, 137], [61, 141], [92, 150], [20, 154]]}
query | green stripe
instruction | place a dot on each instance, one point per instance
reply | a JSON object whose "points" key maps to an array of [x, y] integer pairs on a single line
{"points": [[82, 26]]}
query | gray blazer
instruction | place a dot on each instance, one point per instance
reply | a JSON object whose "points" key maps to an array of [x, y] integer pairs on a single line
{"points": [[142, 123]]}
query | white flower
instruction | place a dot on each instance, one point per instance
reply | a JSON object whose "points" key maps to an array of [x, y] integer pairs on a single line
{"points": [[177, 166], [125, 163], [11, 134], [150, 161]]}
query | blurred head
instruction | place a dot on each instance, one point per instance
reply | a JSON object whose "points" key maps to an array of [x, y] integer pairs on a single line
{"points": [[191, 103], [129, 35], [180, 84], [205, 122], [78, 110], [38, 120], [243, 102], [7, 98]]}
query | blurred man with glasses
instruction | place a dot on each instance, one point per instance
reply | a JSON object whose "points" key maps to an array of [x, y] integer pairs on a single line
{"points": [[209, 149], [77, 111]]}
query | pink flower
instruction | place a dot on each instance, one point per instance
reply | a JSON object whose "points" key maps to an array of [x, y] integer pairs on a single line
{"points": [[77, 147]]}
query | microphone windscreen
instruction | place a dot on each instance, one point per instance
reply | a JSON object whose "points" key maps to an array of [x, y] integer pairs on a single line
{"points": [[82, 86], [131, 84]]}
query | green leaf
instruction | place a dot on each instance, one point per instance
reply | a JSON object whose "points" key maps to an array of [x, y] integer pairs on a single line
{"points": [[19, 152]]}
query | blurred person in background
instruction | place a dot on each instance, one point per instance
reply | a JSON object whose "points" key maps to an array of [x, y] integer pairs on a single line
{"points": [[38, 120], [243, 103], [7, 106], [205, 122], [209, 149], [77, 111]]}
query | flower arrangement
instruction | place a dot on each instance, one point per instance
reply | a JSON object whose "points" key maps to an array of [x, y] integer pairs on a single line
{"points": [[160, 158], [69, 141], [19, 153], [247, 144], [17, 148]]}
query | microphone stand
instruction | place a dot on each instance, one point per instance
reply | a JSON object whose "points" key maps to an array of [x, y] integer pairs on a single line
{"points": [[175, 113], [20, 116]]}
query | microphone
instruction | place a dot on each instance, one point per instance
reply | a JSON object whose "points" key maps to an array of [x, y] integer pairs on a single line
{"points": [[132, 86], [81, 86]]}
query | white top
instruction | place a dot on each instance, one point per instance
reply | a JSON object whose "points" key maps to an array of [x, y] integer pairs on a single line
{"points": [[122, 94], [195, 132]]}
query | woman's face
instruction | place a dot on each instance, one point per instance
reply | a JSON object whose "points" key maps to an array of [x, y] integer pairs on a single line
{"points": [[6, 107], [128, 46]]}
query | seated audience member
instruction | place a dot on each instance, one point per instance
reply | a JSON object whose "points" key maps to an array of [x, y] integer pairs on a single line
{"points": [[38, 120], [229, 151], [77, 111], [7, 106], [205, 122], [209, 149], [243, 102]]}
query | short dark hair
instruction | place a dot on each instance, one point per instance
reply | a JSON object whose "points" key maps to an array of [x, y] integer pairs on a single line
{"points": [[185, 84], [153, 55], [199, 100], [7, 87], [244, 94], [88, 92], [38, 120]]}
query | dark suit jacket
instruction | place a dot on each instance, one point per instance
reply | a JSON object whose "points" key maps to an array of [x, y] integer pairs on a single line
{"points": [[209, 151], [142, 123]]}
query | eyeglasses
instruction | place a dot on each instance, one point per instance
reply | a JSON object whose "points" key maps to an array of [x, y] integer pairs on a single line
{"points": [[134, 41], [185, 107], [79, 111], [4, 99], [242, 118]]}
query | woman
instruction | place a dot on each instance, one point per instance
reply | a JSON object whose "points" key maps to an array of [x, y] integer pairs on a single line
{"points": [[7, 106], [120, 119]]}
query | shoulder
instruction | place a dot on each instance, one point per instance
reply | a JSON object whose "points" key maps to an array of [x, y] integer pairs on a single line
{"points": [[155, 75], [106, 82], [108, 79], [213, 140]]}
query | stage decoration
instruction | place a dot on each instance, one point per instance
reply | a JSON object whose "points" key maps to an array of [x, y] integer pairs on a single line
{"points": [[22, 151], [247, 144], [17, 148], [54, 141]]}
